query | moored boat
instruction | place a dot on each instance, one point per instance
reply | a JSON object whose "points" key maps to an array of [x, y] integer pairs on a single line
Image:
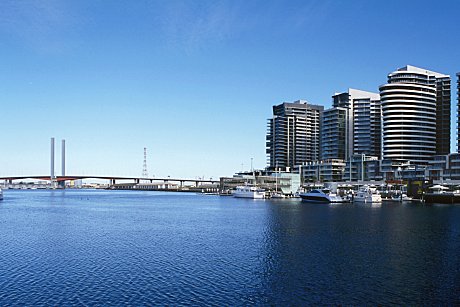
{"points": [[401, 197], [368, 195], [277, 195], [321, 196], [248, 191]]}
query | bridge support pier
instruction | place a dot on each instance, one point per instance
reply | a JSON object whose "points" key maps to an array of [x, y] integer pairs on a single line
{"points": [[112, 182]]}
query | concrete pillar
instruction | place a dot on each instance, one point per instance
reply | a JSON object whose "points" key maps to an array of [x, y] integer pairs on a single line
{"points": [[52, 160], [63, 157]]}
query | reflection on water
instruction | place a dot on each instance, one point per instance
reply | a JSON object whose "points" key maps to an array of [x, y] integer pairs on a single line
{"points": [[356, 254], [146, 248]]}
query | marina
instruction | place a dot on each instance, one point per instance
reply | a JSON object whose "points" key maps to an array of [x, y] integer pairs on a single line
{"points": [[322, 193]]}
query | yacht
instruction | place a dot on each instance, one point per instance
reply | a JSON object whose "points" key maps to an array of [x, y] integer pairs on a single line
{"points": [[368, 195], [321, 196], [247, 191]]}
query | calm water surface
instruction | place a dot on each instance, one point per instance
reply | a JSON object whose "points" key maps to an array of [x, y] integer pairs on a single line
{"points": [[148, 248]]}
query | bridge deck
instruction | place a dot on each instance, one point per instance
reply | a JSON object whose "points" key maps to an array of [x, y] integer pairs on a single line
{"points": [[136, 179]]}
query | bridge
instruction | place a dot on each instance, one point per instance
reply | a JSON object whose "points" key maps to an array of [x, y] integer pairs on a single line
{"points": [[112, 179], [60, 180]]}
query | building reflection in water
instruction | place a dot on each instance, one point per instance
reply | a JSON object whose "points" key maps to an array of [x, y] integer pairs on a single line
{"points": [[355, 254]]}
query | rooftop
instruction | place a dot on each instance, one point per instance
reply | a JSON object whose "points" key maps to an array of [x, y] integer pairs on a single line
{"points": [[410, 68]]}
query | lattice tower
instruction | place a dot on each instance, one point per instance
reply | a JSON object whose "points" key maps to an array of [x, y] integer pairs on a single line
{"points": [[145, 174]]}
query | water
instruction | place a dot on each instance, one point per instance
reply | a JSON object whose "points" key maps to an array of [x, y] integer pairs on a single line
{"points": [[146, 248]]}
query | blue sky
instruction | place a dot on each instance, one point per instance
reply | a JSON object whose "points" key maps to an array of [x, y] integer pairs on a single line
{"points": [[193, 81]]}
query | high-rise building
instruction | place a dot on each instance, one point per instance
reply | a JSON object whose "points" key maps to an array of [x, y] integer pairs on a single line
{"points": [[367, 125], [351, 126], [416, 115], [458, 112], [443, 115], [334, 133], [293, 135]]}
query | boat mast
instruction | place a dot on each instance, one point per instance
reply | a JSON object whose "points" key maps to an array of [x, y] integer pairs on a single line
{"points": [[276, 177]]}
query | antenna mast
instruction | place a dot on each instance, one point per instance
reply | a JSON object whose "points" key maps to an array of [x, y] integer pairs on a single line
{"points": [[145, 174]]}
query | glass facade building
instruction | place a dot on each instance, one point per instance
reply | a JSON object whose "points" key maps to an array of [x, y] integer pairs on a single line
{"points": [[458, 111], [351, 126], [293, 134]]}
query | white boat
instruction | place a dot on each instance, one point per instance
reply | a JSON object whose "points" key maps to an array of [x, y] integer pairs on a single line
{"points": [[278, 195], [368, 195], [247, 191], [401, 197], [321, 196]]}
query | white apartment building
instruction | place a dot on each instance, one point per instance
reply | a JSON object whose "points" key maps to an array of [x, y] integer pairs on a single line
{"points": [[416, 115]]}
